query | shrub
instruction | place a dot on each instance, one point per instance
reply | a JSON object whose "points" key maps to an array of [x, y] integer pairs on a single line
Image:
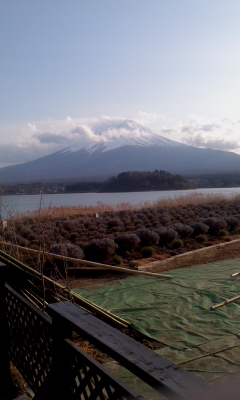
{"points": [[127, 242], [68, 226], [140, 225], [74, 251], [117, 260], [207, 207], [140, 216], [147, 251], [32, 236], [129, 228], [114, 223], [21, 241], [123, 213], [58, 248], [9, 235], [199, 229], [147, 237], [145, 211], [191, 214], [34, 247], [26, 232], [201, 238], [166, 235], [177, 243], [99, 249], [126, 221], [87, 223], [215, 224], [165, 219], [115, 229], [81, 243], [73, 236], [182, 229], [232, 222], [223, 232]]}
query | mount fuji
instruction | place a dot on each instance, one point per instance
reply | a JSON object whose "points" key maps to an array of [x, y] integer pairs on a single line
{"points": [[121, 146]]}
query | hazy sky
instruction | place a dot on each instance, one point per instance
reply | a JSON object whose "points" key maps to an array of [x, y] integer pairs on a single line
{"points": [[172, 65]]}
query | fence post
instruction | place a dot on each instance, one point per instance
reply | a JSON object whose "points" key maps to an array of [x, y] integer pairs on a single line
{"points": [[57, 384], [61, 370], [8, 389]]}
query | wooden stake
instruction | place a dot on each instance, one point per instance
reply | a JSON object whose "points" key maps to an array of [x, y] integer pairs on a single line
{"points": [[224, 303], [236, 274]]}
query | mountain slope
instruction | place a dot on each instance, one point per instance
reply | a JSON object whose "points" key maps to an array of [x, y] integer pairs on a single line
{"points": [[142, 152]]}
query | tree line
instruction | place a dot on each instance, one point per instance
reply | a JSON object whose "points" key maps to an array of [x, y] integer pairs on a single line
{"points": [[134, 181]]}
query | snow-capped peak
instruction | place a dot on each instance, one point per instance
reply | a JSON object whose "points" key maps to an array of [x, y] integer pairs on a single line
{"points": [[121, 133]]}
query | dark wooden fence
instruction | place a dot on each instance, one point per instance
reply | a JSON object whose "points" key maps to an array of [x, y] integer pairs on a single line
{"points": [[42, 348]]}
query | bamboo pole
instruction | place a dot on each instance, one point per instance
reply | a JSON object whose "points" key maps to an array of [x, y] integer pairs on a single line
{"points": [[79, 300], [90, 263], [236, 274], [125, 270], [87, 269], [224, 303]]}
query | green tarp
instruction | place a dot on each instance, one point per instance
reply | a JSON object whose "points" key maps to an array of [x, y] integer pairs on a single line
{"points": [[177, 314]]}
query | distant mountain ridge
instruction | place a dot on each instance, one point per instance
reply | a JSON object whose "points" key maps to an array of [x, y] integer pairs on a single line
{"points": [[141, 150]]}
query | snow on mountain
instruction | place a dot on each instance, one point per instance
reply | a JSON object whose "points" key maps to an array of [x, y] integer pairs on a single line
{"points": [[121, 146], [122, 133]]}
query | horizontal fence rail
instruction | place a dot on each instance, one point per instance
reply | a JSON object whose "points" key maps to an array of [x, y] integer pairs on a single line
{"points": [[164, 376], [43, 350], [71, 374]]}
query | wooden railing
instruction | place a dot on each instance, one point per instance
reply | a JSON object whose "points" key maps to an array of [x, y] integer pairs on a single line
{"points": [[42, 349]]}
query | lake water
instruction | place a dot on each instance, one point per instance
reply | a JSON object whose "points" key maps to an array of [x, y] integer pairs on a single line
{"points": [[11, 205]]}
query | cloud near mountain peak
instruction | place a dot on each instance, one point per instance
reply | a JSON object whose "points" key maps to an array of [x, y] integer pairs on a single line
{"points": [[38, 138], [105, 130]]}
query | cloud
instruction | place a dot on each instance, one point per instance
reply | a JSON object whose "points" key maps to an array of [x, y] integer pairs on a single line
{"points": [[104, 130], [146, 118], [31, 128], [82, 134], [197, 134], [11, 154], [168, 131], [194, 126], [34, 139], [227, 121], [87, 133], [209, 127], [199, 140], [47, 138]]}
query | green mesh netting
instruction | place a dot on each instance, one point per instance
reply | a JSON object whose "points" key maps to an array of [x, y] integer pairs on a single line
{"points": [[177, 314]]}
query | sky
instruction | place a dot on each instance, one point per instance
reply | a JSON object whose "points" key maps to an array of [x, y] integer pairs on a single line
{"points": [[73, 67]]}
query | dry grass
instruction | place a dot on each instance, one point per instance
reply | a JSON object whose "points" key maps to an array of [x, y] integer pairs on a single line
{"points": [[68, 212]]}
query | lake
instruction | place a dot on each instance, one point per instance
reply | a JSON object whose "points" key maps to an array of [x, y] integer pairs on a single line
{"points": [[20, 204]]}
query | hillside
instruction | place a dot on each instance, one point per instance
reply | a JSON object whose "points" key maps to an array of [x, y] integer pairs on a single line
{"points": [[145, 181], [133, 182], [145, 151]]}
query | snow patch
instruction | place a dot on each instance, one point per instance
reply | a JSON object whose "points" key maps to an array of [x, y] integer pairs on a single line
{"points": [[124, 133]]}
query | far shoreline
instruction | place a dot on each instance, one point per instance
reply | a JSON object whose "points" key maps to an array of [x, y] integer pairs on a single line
{"points": [[122, 191]]}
